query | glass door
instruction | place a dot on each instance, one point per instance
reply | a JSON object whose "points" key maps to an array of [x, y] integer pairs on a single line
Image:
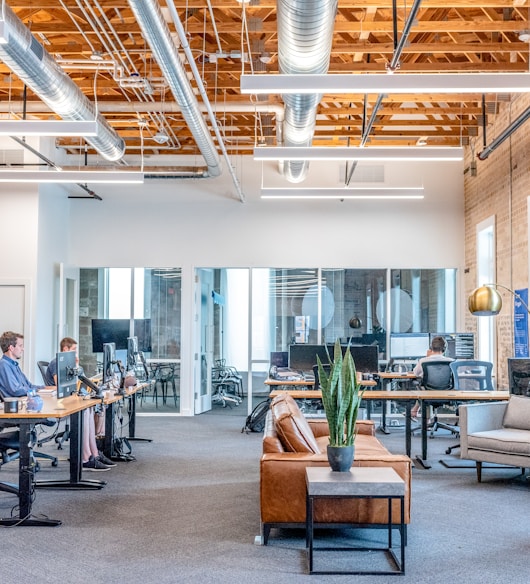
{"points": [[203, 355]]}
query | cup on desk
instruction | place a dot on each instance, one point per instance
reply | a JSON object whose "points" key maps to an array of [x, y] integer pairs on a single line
{"points": [[10, 405]]}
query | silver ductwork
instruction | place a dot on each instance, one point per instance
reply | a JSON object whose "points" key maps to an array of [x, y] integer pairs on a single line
{"points": [[30, 61], [158, 36], [305, 33]]}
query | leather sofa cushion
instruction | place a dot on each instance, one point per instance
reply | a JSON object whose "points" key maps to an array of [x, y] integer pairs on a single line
{"points": [[292, 428], [517, 414]]}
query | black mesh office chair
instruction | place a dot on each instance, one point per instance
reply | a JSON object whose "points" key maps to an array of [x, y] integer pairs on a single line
{"points": [[437, 375]]}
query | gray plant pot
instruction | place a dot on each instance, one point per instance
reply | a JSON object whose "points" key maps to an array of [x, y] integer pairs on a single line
{"points": [[340, 458]]}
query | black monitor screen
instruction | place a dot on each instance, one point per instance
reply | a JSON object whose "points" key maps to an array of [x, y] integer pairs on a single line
{"points": [[280, 358], [519, 376], [408, 345], [109, 362], [116, 330], [109, 330], [302, 357], [366, 358], [66, 373], [459, 345]]}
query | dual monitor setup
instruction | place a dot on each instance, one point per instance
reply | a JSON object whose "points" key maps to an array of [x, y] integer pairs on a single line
{"points": [[108, 336], [403, 346], [302, 357]]}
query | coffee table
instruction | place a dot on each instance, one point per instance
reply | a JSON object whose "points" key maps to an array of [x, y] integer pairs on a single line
{"points": [[358, 483]]}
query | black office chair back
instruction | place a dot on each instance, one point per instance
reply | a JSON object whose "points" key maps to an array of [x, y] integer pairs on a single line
{"points": [[437, 375], [327, 369], [43, 368]]}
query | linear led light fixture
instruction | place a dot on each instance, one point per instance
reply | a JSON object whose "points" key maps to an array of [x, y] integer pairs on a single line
{"points": [[369, 193], [47, 128], [412, 153], [71, 176], [384, 83]]}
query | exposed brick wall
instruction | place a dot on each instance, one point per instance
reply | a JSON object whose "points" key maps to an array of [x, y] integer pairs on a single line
{"points": [[500, 188]]}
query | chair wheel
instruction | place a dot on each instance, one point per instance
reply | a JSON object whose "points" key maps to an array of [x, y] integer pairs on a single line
{"points": [[37, 467], [55, 462], [448, 451]]}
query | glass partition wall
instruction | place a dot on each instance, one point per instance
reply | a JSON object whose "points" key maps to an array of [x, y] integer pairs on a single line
{"points": [[250, 313], [150, 299]]}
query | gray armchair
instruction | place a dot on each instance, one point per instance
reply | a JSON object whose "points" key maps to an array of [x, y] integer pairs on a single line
{"points": [[497, 432]]}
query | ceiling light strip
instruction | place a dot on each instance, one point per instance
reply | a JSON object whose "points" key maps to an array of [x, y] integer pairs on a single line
{"points": [[383, 83], [72, 177], [369, 193], [376, 153], [47, 128]]}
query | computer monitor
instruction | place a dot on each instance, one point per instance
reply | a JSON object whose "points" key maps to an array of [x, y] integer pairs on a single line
{"points": [[279, 359], [519, 376], [459, 345], [132, 353], [66, 373], [109, 363], [302, 357], [117, 331], [109, 330], [366, 358], [408, 345]]}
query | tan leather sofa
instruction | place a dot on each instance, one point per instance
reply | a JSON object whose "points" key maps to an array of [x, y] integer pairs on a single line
{"points": [[290, 444]]}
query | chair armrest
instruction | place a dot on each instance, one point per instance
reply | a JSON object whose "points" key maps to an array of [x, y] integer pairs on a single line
{"points": [[478, 417]]}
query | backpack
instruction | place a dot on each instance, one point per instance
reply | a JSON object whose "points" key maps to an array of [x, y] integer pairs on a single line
{"points": [[255, 421]]}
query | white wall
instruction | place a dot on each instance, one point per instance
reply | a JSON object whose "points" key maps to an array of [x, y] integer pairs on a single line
{"points": [[202, 223]]}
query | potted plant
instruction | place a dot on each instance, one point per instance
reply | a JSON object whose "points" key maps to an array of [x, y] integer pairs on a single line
{"points": [[341, 398]]}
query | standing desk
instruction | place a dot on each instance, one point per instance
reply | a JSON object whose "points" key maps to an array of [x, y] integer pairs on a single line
{"points": [[409, 397], [72, 407], [387, 377]]}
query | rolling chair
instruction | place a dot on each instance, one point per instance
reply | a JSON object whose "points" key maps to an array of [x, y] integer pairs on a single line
{"points": [[471, 375], [437, 375], [59, 437], [9, 443]]}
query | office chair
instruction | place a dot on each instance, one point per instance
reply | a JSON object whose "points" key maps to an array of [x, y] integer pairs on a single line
{"points": [[471, 375], [9, 442], [59, 437], [437, 375]]}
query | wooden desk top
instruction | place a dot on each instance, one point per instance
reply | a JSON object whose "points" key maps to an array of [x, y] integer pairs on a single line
{"points": [[53, 408], [419, 394], [395, 375], [304, 383]]}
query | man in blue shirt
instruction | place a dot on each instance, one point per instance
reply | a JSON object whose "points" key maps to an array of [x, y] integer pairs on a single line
{"points": [[13, 382]]}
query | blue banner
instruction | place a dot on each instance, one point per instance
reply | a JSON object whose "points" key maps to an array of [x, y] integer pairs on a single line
{"points": [[520, 323]]}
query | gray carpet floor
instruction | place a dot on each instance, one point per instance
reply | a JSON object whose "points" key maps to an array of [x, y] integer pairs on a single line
{"points": [[187, 510]]}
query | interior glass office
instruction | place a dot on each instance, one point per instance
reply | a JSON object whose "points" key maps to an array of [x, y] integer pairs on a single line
{"points": [[245, 314]]}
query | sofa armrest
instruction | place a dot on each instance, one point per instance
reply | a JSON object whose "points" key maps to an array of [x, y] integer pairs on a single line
{"points": [[478, 417]]}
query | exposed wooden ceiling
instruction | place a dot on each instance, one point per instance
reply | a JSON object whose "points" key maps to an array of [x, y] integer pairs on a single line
{"points": [[99, 44]]}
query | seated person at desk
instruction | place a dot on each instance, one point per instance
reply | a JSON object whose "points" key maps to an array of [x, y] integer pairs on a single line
{"points": [[93, 459], [434, 353]]}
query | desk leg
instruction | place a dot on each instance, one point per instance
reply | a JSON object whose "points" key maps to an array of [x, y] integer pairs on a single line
{"points": [[76, 461], [423, 460], [408, 427], [26, 472], [132, 420]]}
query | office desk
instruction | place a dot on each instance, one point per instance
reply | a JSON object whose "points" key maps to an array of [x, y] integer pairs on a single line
{"points": [[72, 407], [387, 377], [309, 384], [409, 397]]}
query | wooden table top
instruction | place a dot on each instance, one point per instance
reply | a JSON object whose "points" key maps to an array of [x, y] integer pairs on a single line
{"points": [[53, 408], [419, 394], [304, 383]]}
